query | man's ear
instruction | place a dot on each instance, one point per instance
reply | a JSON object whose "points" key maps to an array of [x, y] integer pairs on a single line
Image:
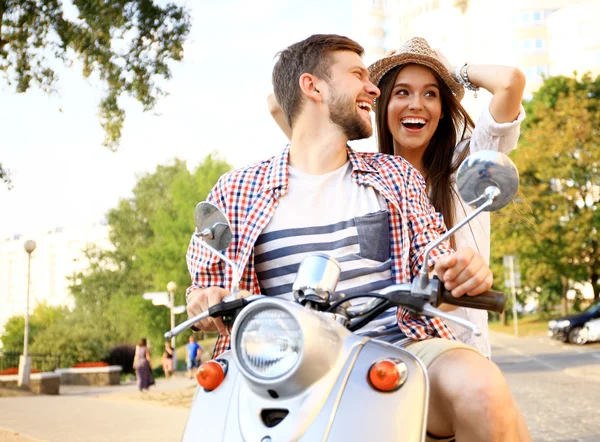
{"points": [[308, 86]]}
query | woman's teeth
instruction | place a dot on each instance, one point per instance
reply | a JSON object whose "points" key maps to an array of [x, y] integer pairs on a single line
{"points": [[413, 123]]}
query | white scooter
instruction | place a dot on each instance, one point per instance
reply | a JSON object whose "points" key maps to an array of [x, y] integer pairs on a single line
{"points": [[297, 372]]}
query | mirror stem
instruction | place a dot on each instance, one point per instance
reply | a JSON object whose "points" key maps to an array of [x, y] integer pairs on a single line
{"points": [[491, 192], [234, 268]]}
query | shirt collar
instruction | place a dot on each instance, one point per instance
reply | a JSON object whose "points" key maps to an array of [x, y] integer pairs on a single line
{"points": [[277, 175], [358, 162]]}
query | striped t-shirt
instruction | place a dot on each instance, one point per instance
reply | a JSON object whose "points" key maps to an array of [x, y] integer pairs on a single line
{"points": [[328, 214]]}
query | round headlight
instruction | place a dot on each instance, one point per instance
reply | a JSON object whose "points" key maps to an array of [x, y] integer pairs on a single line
{"points": [[269, 343]]}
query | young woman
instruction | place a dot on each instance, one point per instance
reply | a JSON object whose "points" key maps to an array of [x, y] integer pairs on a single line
{"points": [[419, 117], [167, 360], [141, 364]]}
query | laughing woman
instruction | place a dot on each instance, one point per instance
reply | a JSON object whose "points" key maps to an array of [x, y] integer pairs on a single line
{"points": [[419, 117]]}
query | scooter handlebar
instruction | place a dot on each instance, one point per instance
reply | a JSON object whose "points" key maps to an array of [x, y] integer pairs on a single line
{"points": [[490, 300]]}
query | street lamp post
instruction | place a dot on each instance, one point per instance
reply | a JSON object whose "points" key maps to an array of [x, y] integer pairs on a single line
{"points": [[171, 287], [24, 359]]}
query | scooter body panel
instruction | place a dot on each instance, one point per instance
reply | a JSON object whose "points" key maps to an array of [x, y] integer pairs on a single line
{"points": [[340, 407]]}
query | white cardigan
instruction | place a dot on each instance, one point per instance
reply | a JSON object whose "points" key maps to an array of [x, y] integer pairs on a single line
{"points": [[487, 135]]}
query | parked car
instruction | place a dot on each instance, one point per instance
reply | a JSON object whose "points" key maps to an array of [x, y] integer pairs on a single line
{"points": [[568, 328], [591, 331]]}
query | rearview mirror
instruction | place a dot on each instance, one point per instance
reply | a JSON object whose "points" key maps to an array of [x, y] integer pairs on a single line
{"points": [[483, 171]]}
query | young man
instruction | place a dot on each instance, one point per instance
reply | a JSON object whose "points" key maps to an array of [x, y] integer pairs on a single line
{"points": [[193, 351], [370, 212]]}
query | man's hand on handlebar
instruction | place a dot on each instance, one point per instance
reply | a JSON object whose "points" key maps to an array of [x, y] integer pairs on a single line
{"points": [[200, 300], [464, 272]]}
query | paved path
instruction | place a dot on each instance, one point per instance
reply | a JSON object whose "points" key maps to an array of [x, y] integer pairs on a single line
{"points": [[77, 415], [556, 385]]}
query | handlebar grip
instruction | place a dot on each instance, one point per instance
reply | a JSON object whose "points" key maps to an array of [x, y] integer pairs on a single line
{"points": [[490, 300]]}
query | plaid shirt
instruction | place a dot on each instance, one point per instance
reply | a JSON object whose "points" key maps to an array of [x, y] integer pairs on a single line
{"points": [[250, 196]]}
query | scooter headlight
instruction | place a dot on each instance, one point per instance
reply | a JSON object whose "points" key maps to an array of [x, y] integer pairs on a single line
{"points": [[269, 343]]}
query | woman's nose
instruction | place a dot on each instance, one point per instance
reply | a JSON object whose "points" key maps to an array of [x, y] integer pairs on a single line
{"points": [[415, 102]]}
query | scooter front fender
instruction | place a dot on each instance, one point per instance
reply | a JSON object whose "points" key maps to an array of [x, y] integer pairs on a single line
{"points": [[350, 411]]}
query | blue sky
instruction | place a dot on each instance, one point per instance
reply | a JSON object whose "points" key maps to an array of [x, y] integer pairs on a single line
{"points": [[63, 176]]}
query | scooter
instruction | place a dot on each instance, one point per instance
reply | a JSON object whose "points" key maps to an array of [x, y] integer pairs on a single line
{"points": [[298, 371]]}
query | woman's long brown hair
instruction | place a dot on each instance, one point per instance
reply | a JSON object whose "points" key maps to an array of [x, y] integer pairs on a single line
{"points": [[439, 164]]}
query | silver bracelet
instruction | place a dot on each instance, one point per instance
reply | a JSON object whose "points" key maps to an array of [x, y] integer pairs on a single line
{"points": [[462, 76]]}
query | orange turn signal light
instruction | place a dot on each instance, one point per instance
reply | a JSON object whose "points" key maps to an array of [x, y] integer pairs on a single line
{"points": [[386, 375], [210, 375]]}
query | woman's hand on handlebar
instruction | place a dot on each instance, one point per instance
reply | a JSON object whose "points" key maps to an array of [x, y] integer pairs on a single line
{"points": [[464, 272], [200, 300]]}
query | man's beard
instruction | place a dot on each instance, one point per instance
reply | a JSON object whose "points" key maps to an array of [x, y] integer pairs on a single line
{"points": [[342, 112]]}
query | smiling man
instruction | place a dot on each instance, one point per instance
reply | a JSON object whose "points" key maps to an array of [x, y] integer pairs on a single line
{"points": [[369, 211]]}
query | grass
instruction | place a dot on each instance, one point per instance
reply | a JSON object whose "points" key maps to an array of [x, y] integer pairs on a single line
{"points": [[530, 325]]}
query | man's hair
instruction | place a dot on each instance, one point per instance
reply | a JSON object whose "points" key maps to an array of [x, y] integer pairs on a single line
{"points": [[311, 56]]}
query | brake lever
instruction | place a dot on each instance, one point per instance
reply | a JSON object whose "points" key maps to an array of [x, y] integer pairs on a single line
{"points": [[420, 305], [217, 310], [429, 310]]}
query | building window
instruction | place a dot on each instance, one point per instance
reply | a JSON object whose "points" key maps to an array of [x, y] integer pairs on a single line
{"points": [[536, 74], [530, 45], [527, 19]]}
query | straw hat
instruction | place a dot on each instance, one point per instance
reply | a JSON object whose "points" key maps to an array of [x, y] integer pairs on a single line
{"points": [[416, 50]]}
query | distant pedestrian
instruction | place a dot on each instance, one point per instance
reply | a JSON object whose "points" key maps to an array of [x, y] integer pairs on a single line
{"points": [[167, 360], [142, 365], [193, 351]]}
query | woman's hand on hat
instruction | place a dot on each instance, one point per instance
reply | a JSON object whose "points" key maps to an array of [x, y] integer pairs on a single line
{"points": [[451, 68], [390, 52]]}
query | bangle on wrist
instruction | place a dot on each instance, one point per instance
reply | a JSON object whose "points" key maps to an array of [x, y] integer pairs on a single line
{"points": [[462, 76]]}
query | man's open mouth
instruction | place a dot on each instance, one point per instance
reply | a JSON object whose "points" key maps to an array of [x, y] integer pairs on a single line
{"points": [[363, 105]]}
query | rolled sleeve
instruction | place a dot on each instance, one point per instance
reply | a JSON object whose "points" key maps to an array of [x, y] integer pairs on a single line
{"points": [[490, 135]]}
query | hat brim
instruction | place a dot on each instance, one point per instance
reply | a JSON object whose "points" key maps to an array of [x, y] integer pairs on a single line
{"points": [[381, 67]]}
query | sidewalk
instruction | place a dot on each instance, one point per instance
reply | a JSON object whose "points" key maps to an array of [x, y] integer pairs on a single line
{"points": [[93, 414]]}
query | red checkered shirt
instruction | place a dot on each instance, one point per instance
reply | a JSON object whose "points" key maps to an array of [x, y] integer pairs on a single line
{"points": [[250, 196]]}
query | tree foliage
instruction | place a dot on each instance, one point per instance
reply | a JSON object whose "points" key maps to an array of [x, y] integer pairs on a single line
{"points": [[553, 225], [150, 233], [42, 317], [127, 43]]}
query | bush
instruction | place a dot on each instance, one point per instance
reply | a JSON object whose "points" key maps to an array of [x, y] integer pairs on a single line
{"points": [[74, 341], [42, 317], [158, 372], [122, 355]]}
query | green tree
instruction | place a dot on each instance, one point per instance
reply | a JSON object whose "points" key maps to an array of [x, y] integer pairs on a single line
{"points": [[42, 317], [150, 233], [128, 43], [553, 225]]}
